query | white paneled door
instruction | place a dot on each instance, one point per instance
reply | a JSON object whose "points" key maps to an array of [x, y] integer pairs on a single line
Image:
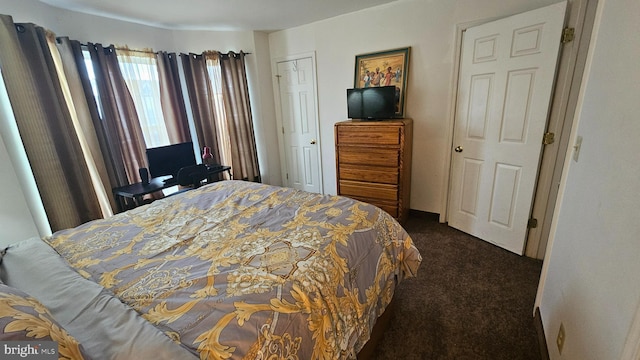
{"points": [[507, 74], [296, 81]]}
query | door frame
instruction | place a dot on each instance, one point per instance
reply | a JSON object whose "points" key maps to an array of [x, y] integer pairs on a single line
{"points": [[580, 15], [279, 122]]}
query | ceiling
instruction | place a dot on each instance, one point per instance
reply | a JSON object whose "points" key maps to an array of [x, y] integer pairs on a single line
{"points": [[220, 15]]}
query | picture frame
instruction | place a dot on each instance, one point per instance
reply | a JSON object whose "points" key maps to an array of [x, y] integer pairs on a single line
{"points": [[390, 67]]}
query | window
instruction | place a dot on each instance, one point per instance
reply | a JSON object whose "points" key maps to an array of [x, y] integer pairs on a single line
{"points": [[141, 75], [140, 72], [92, 79]]}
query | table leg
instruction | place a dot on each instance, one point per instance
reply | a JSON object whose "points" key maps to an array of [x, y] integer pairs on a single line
{"points": [[138, 200]]}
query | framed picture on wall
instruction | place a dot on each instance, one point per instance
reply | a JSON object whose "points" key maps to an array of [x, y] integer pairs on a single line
{"points": [[384, 68]]}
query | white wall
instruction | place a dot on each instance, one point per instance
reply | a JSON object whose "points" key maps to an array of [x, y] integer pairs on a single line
{"points": [[96, 29], [16, 219], [429, 28], [591, 278], [15, 216], [262, 98], [88, 28]]}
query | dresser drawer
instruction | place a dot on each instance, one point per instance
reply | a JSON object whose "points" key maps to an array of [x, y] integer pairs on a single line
{"points": [[391, 209], [368, 156], [368, 135], [375, 174], [367, 190], [388, 206]]}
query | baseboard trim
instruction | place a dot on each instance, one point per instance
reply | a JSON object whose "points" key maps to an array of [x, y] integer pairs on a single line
{"points": [[542, 340]]}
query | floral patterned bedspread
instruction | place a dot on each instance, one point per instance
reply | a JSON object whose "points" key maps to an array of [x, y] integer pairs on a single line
{"points": [[244, 270]]}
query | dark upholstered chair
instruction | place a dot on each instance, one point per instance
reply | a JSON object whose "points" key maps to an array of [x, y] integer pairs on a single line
{"points": [[192, 176]]}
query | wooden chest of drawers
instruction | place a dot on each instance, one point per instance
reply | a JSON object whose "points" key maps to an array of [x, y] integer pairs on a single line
{"points": [[373, 163]]}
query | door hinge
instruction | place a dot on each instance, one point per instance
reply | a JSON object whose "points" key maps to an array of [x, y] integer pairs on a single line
{"points": [[283, 129], [548, 138], [532, 223], [567, 35], [287, 176]]}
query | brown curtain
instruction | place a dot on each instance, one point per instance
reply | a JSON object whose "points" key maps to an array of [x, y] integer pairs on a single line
{"points": [[122, 133], [171, 97], [202, 99], [45, 126], [98, 126], [235, 94]]}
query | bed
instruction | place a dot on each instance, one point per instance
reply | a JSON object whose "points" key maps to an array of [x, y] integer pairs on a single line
{"points": [[231, 270]]}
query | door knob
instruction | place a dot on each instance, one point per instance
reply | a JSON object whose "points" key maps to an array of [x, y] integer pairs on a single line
{"points": [[458, 148], [313, 142]]}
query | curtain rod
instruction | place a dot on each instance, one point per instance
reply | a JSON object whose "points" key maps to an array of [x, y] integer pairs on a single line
{"points": [[155, 52]]}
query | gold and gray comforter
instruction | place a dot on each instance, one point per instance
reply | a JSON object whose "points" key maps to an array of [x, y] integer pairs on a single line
{"points": [[244, 270]]}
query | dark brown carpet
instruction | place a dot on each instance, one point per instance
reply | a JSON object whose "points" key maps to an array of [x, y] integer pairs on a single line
{"points": [[471, 300]]}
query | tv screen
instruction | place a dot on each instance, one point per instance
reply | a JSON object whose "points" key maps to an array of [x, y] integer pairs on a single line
{"points": [[372, 103], [167, 160]]}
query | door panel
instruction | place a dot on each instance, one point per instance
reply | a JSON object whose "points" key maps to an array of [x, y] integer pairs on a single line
{"points": [[507, 73], [470, 186], [478, 113], [516, 105], [505, 190]]}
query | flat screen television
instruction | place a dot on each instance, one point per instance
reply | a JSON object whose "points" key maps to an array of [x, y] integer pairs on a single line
{"points": [[372, 103], [167, 160]]}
